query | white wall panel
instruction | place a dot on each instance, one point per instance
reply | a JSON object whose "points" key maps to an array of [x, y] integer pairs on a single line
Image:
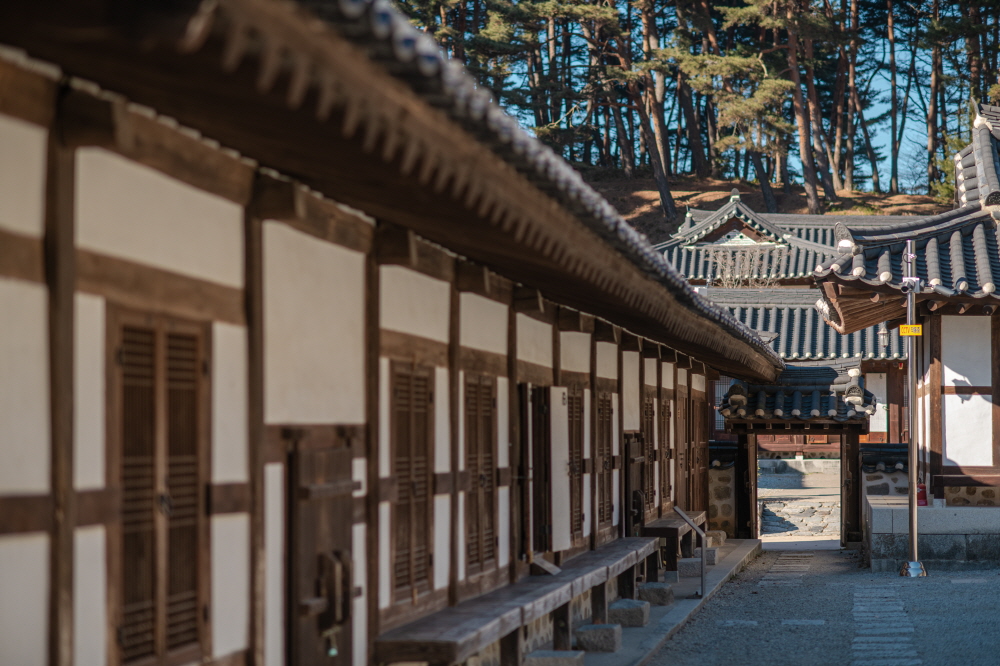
{"points": [[442, 421], [607, 360], [698, 383], [414, 303], [503, 423], [586, 506], [575, 351], [24, 596], [668, 375], [682, 377], [460, 528], [128, 210], [503, 525], [384, 406], [24, 388], [650, 370], [968, 430], [482, 323], [965, 344], [230, 441], [876, 383], [562, 538], [631, 401], [314, 333], [359, 620], [274, 564], [442, 540], [23, 149], [384, 556], [230, 582], [90, 593], [534, 341], [88, 392]]}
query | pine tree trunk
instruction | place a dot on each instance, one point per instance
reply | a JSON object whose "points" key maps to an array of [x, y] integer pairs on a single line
{"points": [[894, 104], [816, 120], [770, 203], [662, 186], [852, 109], [869, 149], [932, 175], [802, 121], [698, 162], [624, 145]]}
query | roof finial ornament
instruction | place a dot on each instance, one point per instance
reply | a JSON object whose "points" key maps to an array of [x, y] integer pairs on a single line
{"points": [[735, 195]]}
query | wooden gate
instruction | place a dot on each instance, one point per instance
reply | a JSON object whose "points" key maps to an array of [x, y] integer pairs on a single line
{"points": [[682, 470], [633, 493], [850, 489], [320, 564]]}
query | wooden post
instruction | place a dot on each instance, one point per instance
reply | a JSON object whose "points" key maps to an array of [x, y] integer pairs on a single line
{"points": [[454, 331], [60, 276], [372, 381], [512, 648], [850, 502], [599, 603], [562, 628], [626, 583], [253, 244]]}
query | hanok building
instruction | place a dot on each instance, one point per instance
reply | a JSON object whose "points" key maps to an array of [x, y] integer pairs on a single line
{"points": [[958, 355], [759, 266], [311, 355]]}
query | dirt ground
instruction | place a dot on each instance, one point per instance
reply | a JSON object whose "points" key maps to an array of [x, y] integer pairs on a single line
{"points": [[638, 201]]}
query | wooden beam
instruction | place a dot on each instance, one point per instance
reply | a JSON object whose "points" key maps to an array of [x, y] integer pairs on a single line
{"points": [[60, 276], [395, 245], [606, 332], [668, 355], [631, 342], [473, 278], [936, 305], [528, 300], [35, 98], [574, 321], [988, 310], [684, 362], [965, 307], [652, 350]]}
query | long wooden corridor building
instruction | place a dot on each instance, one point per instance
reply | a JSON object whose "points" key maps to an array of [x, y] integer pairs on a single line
{"points": [[306, 342]]}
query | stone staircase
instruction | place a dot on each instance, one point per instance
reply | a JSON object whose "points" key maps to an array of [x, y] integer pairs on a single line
{"points": [[805, 517]]}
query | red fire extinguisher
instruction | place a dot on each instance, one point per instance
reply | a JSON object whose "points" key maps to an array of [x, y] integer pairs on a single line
{"points": [[921, 495]]}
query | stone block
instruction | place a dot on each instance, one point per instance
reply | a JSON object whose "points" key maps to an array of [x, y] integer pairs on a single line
{"points": [[554, 658], [689, 567], [670, 577], [878, 488], [629, 613], [711, 556], [942, 546], [888, 546], [716, 538], [658, 594], [599, 637], [983, 548]]}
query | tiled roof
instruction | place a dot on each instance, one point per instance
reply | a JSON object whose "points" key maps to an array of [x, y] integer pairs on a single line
{"points": [[787, 318], [803, 394]]}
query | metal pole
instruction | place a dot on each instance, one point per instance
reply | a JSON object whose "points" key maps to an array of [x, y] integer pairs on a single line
{"points": [[703, 540], [913, 568]]}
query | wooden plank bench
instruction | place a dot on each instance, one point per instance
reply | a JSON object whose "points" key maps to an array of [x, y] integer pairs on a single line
{"points": [[454, 634], [678, 534]]}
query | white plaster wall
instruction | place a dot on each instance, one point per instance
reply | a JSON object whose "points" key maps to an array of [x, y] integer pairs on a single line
{"points": [[482, 323], [384, 406], [359, 473], [586, 506], [876, 383], [442, 422], [562, 538], [503, 525], [442, 540], [607, 360], [534, 341], [631, 400], [24, 388], [967, 421], [682, 377], [230, 582], [88, 392], [274, 564], [668, 375], [650, 371], [229, 404], [965, 359], [698, 383], [359, 619], [23, 149], [414, 303], [503, 423], [314, 334], [460, 529], [128, 210], [90, 591], [574, 351], [384, 556], [24, 595]]}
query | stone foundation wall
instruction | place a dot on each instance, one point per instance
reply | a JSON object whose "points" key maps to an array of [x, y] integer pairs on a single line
{"points": [[886, 483], [788, 455], [970, 496], [722, 500]]}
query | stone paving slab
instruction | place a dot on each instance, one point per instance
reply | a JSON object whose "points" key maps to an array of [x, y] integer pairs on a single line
{"points": [[639, 645]]}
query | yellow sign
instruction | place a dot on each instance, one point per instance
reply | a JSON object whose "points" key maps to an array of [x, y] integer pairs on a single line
{"points": [[911, 329]]}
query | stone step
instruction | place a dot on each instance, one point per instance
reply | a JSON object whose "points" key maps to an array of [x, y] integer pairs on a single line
{"points": [[629, 613], [599, 637], [658, 594], [689, 567], [555, 658], [716, 538], [711, 556]]}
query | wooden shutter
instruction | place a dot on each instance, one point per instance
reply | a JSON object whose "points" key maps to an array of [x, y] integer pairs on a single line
{"points": [[603, 461], [163, 444], [412, 436], [480, 462], [541, 460], [664, 458], [649, 448], [137, 633], [575, 411]]}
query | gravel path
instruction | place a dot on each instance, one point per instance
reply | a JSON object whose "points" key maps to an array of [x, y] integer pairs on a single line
{"points": [[821, 608]]}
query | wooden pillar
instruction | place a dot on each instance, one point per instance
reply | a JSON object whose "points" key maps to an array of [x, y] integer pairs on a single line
{"points": [[599, 603], [894, 392], [60, 276], [850, 496], [253, 247], [562, 638], [626, 583], [454, 386], [512, 648], [372, 381], [934, 405]]}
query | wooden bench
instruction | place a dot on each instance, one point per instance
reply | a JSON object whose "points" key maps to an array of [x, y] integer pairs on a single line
{"points": [[454, 634], [678, 534]]}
